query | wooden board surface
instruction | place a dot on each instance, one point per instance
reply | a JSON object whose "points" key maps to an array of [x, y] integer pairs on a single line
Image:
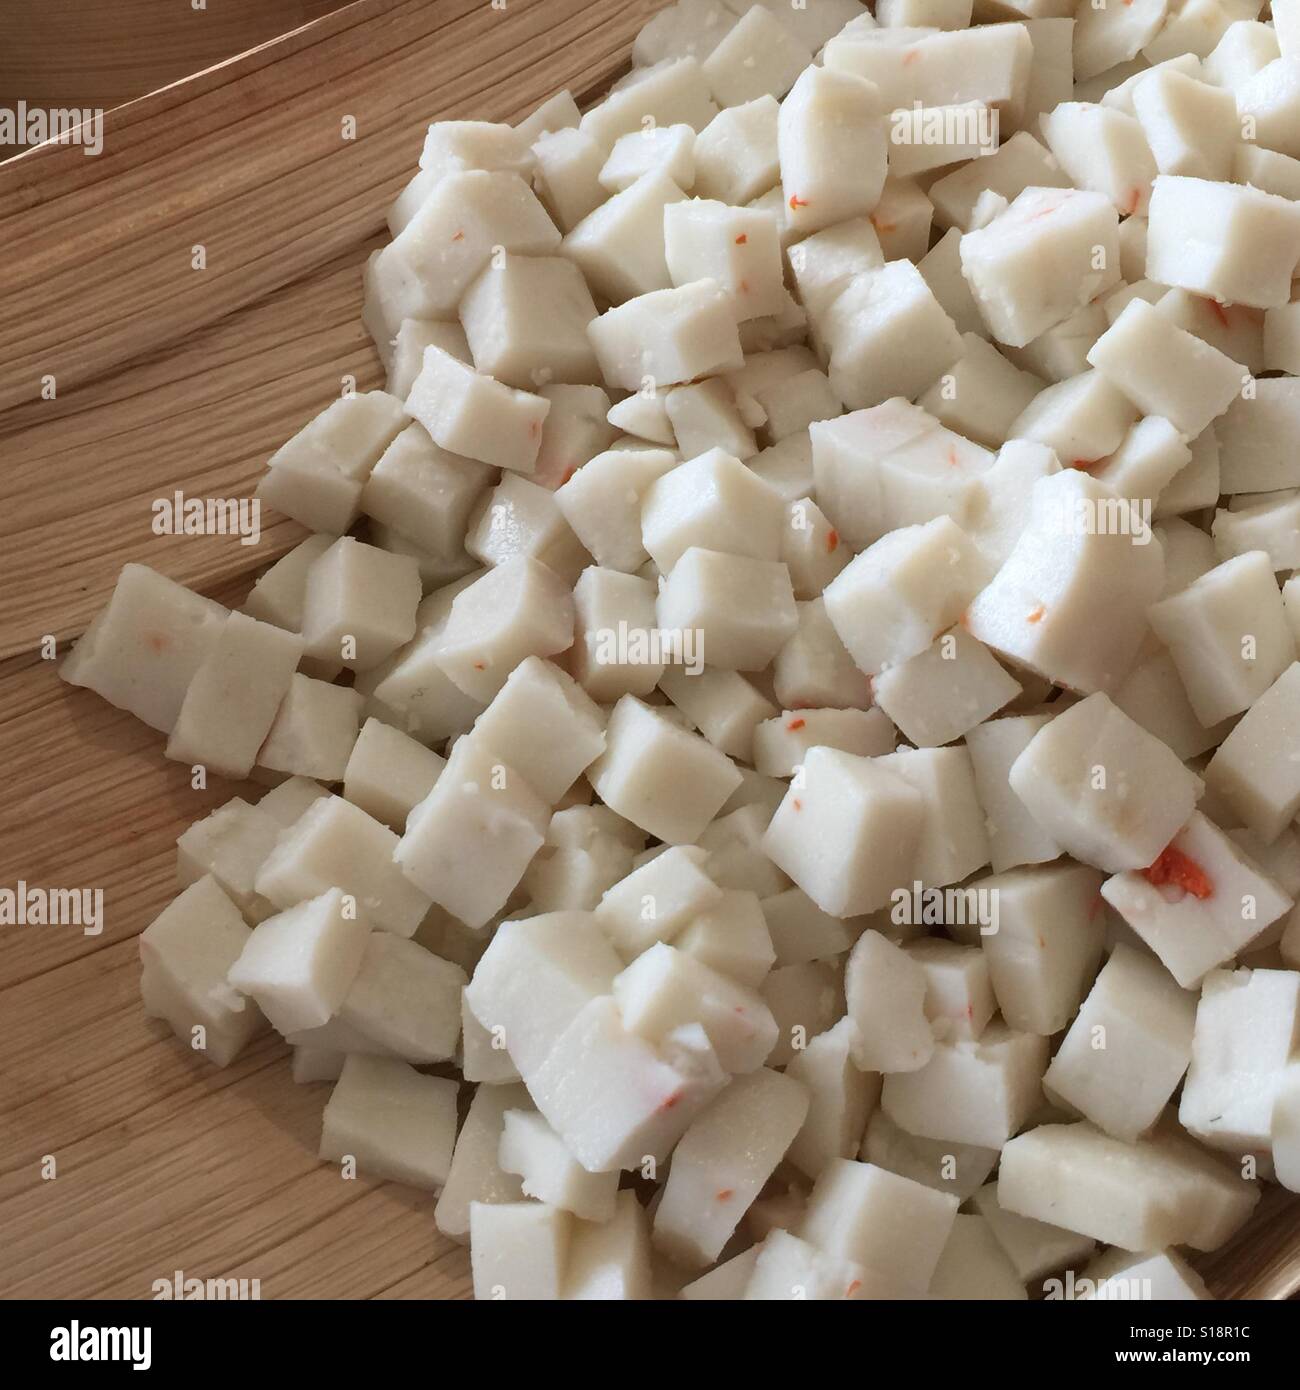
{"points": [[171, 378]]}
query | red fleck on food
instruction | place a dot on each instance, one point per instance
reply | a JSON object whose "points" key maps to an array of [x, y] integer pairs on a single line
{"points": [[853, 1288], [725, 1194], [157, 642], [568, 473], [742, 239], [1173, 866], [832, 540], [910, 57], [882, 226], [535, 428], [1134, 194], [460, 236], [744, 287], [1219, 311], [670, 1101], [953, 460], [798, 805], [480, 666], [1087, 465], [964, 621], [1037, 615], [797, 202], [796, 724]]}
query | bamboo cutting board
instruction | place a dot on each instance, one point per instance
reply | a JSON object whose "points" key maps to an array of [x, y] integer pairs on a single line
{"points": [[123, 1158]]}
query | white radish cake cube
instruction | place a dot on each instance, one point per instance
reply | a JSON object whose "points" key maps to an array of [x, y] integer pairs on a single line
{"points": [[314, 731], [665, 989], [1153, 695], [823, 264], [1045, 942], [413, 336], [477, 416], [673, 90], [474, 1175], [936, 1163], [1270, 102], [758, 57], [705, 415], [535, 977], [575, 431], [667, 336], [619, 246], [567, 176], [722, 705], [405, 999], [982, 394], [1118, 1275], [602, 502], [572, 878], [958, 996], [737, 248], [1247, 1024], [1236, 330], [231, 844], [658, 775], [780, 744], [531, 1149], [840, 1098], [891, 1225], [973, 1091], [945, 691], [142, 650], [389, 772], [1165, 371], [299, 964], [885, 990], [1191, 126], [1033, 1247], [525, 319], [1070, 601], [393, 1121], [736, 157], [1150, 456], [539, 695], [1103, 150], [611, 1260], [312, 1064], [186, 953], [741, 609], [974, 1266], [801, 931], [791, 405], [1105, 790], [831, 143], [1062, 351], [1282, 338], [1015, 837], [277, 594], [1194, 486], [732, 937], [1107, 37], [1051, 252], [335, 843], [645, 415], [657, 900], [721, 1163], [1246, 242], [518, 1250], [1256, 437], [424, 492], [614, 651], [1228, 635], [616, 1099], [926, 138], [1128, 1047], [434, 569], [785, 1267], [360, 603], [1257, 767], [667, 148], [902, 219], [1272, 526], [848, 834], [711, 501], [233, 697], [1020, 162], [518, 609], [806, 1000], [1147, 1195], [898, 595], [1285, 1135], [888, 336], [811, 549], [813, 669], [318, 476], [469, 841]]}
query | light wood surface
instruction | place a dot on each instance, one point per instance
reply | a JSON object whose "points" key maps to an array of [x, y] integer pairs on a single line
{"points": [[171, 378]]}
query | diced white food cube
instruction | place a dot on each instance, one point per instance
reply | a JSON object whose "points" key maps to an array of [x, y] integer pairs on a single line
{"points": [[1049, 254], [1048, 937], [705, 415], [1257, 767], [277, 595], [359, 605], [1015, 837], [891, 1225], [780, 744], [316, 1064], [388, 773], [1033, 1247], [673, 90], [975, 1266], [886, 989], [619, 246], [722, 1161], [318, 476], [335, 843], [806, 1000], [840, 1098], [519, 1250], [1228, 635], [656, 900], [982, 394], [1153, 1193], [758, 57], [645, 415], [1070, 601], [231, 844], [1272, 526], [615, 650], [567, 176], [667, 336], [953, 842], [475, 1175], [1192, 127], [413, 336], [1247, 1024], [898, 595], [286, 802], [475, 415], [945, 691], [736, 157], [1020, 162], [1103, 150], [469, 841], [602, 503], [611, 1260], [1118, 1275], [848, 834], [936, 1163], [1256, 436], [814, 670], [314, 730], [732, 937], [1150, 456], [142, 650], [1128, 1047], [1198, 905], [299, 964], [888, 336], [1232, 243], [741, 610], [725, 1282], [722, 705], [958, 995], [973, 1091], [186, 953], [787, 1267], [1106, 37], [669, 148], [530, 1148], [1285, 1134], [575, 431], [405, 999], [737, 248]]}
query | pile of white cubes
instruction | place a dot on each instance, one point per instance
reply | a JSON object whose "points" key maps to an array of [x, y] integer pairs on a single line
{"points": [[783, 745]]}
